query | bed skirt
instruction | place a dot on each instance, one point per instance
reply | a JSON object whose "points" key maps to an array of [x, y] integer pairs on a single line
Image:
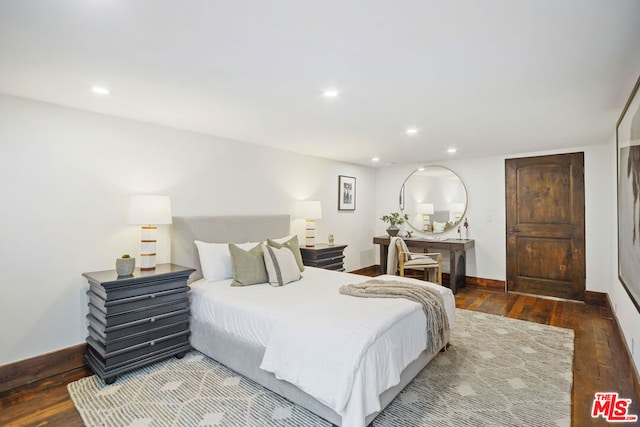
{"points": [[245, 358]]}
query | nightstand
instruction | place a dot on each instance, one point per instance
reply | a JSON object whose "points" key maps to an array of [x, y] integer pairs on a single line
{"points": [[136, 320], [324, 256]]}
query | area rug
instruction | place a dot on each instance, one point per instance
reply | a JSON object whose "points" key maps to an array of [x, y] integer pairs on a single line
{"points": [[496, 372]]}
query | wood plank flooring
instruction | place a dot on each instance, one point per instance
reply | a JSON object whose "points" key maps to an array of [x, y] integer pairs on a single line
{"points": [[599, 364], [44, 403]]}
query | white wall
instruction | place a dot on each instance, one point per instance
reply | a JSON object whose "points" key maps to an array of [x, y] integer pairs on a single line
{"points": [[66, 176], [626, 312], [484, 179], [487, 258]]}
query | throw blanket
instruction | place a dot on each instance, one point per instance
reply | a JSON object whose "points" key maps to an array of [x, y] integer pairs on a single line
{"points": [[431, 300], [392, 257]]}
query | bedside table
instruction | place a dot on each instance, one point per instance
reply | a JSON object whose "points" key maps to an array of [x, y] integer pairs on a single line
{"points": [[136, 320], [324, 256]]}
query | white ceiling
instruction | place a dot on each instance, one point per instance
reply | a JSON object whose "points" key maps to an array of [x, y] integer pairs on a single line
{"points": [[488, 77]]}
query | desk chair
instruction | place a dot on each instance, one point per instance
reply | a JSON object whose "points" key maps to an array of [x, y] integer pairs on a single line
{"points": [[418, 261]]}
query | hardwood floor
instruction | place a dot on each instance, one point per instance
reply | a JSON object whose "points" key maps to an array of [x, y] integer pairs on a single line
{"points": [[599, 364], [44, 403]]}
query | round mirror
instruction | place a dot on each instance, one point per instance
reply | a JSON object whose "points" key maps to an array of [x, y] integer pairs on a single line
{"points": [[434, 198]]}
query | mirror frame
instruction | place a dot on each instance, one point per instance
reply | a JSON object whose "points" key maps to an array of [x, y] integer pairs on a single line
{"points": [[402, 201]]}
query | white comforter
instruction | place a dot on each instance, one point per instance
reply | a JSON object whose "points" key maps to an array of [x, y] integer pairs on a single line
{"points": [[342, 350]]}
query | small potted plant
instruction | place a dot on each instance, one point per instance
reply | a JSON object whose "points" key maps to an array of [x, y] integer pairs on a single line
{"points": [[125, 265], [394, 219]]}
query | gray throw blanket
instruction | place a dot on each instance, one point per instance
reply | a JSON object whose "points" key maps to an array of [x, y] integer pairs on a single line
{"points": [[431, 300]]}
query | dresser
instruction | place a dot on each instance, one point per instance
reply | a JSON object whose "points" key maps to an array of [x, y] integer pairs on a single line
{"points": [[324, 256], [136, 320]]}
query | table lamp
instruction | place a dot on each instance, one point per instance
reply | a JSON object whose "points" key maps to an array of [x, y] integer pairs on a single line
{"points": [[149, 211], [457, 210], [425, 209], [309, 210]]}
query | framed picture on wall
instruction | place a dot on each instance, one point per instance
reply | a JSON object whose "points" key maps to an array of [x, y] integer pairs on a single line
{"points": [[346, 193], [628, 171]]}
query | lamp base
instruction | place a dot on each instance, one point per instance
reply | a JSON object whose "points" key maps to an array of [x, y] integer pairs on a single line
{"points": [[310, 234], [148, 247], [426, 225]]}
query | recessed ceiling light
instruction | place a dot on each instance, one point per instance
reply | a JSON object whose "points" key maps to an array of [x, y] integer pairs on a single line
{"points": [[411, 131], [100, 90], [421, 169], [375, 159], [330, 93], [451, 150]]}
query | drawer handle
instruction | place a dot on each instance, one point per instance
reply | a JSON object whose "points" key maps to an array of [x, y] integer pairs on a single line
{"points": [[152, 343], [153, 319], [152, 296]]}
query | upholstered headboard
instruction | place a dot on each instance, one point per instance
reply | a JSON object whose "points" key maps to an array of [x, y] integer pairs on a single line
{"points": [[221, 229]]}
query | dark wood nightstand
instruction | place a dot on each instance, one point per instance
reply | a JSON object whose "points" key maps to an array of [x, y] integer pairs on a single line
{"points": [[324, 256], [136, 320]]}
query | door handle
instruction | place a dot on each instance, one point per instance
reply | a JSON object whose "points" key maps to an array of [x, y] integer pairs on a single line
{"points": [[511, 230]]}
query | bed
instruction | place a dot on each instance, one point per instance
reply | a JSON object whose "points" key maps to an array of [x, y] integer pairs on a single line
{"points": [[233, 326]]}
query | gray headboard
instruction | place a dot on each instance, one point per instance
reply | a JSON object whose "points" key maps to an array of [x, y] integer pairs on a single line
{"points": [[221, 229]]}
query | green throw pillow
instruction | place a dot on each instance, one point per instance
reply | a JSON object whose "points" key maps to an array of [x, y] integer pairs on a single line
{"points": [[248, 266], [292, 244]]}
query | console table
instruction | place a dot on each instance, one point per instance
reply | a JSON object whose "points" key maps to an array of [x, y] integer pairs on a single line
{"points": [[457, 259]]}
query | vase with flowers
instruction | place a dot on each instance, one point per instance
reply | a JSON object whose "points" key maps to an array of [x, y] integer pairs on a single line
{"points": [[394, 219]]}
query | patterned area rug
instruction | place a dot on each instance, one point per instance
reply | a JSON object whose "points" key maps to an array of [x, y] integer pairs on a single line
{"points": [[497, 372]]}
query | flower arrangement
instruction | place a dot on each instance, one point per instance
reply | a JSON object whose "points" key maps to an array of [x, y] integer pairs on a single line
{"points": [[394, 218]]}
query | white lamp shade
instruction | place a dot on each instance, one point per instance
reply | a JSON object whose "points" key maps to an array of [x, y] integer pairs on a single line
{"points": [[308, 209], [425, 208], [149, 210]]}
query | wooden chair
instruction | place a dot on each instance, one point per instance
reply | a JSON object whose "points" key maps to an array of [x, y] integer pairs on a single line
{"points": [[418, 261]]}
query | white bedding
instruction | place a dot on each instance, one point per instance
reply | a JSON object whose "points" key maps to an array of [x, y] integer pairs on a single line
{"points": [[348, 350]]}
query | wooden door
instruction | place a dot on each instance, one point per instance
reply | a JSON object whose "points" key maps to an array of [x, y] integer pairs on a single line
{"points": [[545, 225]]}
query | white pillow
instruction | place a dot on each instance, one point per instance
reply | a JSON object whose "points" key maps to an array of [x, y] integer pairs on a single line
{"points": [[215, 259], [281, 265], [438, 227]]}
